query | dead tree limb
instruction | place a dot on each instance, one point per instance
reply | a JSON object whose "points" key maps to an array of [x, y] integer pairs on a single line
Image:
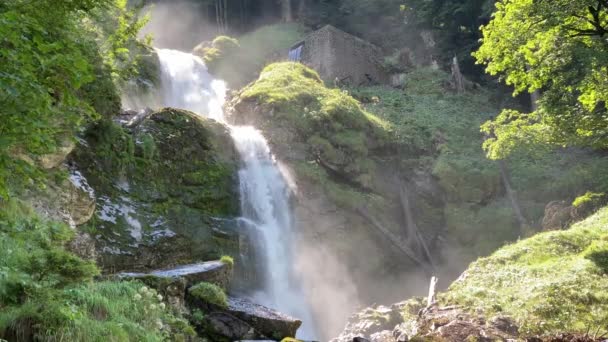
{"points": [[396, 242], [411, 228], [506, 179], [431, 299]]}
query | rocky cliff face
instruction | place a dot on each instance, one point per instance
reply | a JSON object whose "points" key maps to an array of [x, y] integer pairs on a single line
{"points": [[346, 178], [165, 189]]}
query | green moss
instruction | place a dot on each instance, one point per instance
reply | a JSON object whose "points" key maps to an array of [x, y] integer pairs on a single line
{"points": [[551, 282], [598, 253], [227, 260], [117, 311], [209, 293], [334, 126], [223, 49]]}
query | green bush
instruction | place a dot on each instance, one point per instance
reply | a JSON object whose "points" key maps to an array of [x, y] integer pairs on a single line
{"points": [[115, 311], [209, 293], [598, 253], [227, 260]]}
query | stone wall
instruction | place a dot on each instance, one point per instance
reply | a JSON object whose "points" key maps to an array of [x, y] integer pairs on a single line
{"points": [[335, 54]]}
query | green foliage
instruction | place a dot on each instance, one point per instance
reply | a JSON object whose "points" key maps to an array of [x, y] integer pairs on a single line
{"points": [[554, 47], [549, 283], [227, 260], [209, 293], [33, 257], [221, 50], [589, 198], [56, 73], [116, 311]]}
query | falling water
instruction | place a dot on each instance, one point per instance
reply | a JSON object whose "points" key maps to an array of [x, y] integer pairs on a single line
{"points": [[264, 194]]}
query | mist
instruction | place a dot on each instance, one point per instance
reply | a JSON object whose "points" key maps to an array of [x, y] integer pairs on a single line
{"points": [[178, 25]]}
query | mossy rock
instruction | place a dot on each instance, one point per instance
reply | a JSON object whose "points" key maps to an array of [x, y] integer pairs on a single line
{"points": [[296, 110], [167, 190]]}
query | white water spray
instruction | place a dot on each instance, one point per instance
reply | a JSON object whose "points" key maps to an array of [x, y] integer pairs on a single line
{"points": [[186, 84]]}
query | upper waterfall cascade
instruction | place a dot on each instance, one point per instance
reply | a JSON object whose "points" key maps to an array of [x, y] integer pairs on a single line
{"points": [[186, 84]]}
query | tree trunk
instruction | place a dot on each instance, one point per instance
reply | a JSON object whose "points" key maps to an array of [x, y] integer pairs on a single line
{"points": [[286, 10], [457, 76], [506, 179], [534, 96], [302, 10], [431, 299], [411, 229], [395, 241], [226, 27], [218, 21]]}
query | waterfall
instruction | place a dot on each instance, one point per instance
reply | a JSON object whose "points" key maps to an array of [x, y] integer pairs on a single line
{"points": [[186, 84]]}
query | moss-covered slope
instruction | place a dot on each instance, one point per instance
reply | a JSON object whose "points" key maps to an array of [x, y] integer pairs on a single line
{"points": [[549, 283]]}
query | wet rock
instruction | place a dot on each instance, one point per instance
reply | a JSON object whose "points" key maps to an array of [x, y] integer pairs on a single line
{"points": [[166, 190], [227, 326], [265, 322], [215, 272]]}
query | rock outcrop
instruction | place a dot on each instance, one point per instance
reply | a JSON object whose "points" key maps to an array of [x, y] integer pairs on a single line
{"points": [[244, 320], [215, 272], [166, 190]]}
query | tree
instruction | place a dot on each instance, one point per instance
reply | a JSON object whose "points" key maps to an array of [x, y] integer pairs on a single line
{"points": [[49, 50], [557, 47]]}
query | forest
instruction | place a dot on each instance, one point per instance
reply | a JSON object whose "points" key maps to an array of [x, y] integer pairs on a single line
{"points": [[304, 170]]}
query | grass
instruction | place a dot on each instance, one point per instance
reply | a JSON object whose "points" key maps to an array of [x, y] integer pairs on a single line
{"points": [[47, 293], [209, 293], [549, 283]]}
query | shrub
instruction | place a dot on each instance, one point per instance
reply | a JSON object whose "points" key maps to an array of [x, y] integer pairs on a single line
{"points": [[227, 260], [588, 203], [209, 293]]}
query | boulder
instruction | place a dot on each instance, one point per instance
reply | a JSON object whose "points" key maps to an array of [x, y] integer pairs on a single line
{"points": [[52, 160], [166, 189], [558, 215], [264, 322]]}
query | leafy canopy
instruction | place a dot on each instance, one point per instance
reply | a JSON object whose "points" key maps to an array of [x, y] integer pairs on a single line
{"points": [[558, 48]]}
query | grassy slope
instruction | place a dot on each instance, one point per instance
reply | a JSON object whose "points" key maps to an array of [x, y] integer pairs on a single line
{"points": [[47, 292], [551, 282], [446, 126]]}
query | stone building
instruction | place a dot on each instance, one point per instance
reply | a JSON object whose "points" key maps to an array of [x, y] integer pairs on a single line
{"points": [[337, 55]]}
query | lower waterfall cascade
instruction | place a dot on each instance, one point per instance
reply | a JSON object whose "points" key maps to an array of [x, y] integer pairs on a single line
{"points": [[186, 84]]}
